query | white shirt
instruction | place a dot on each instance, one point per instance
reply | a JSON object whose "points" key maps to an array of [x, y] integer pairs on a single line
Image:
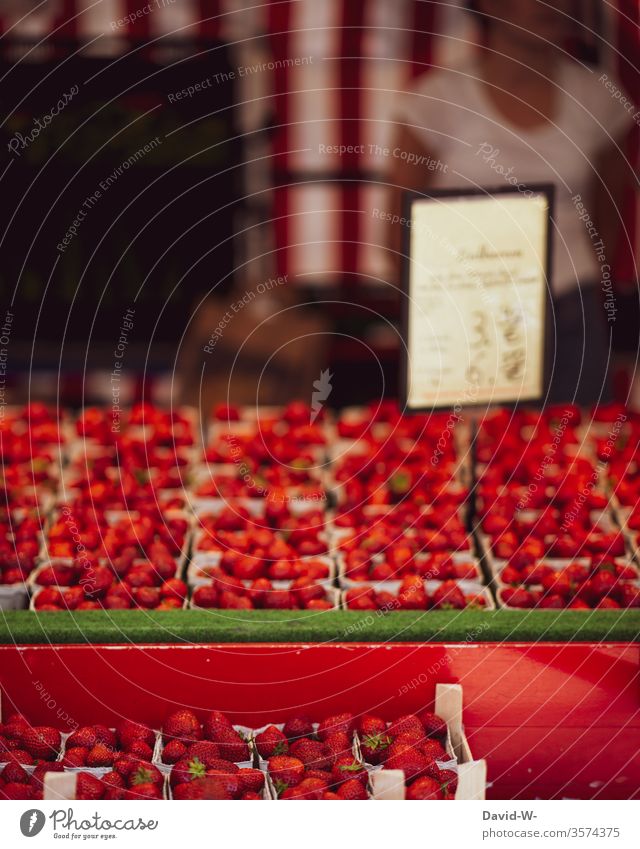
{"points": [[449, 111]]}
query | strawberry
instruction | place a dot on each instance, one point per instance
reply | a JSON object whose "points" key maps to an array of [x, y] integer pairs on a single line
{"points": [[213, 721], [105, 735], [285, 771], [407, 724], [19, 756], [231, 745], [144, 790], [15, 773], [42, 742], [423, 789], [100, 755], [330, 796], [408, 758], [250, 795], [140, 750], [88, 786], [271, 742], [127, 731], [14, 790], [113, 779], [370, 725], [434, 750], [182, 725], [312, 753], [311, 788], [374, 747], [187, 769], [448, 782], [338, 743], [174, 751], [144, 773], [210, 787], [324, 774], [298, 726], [76, 757], [352, 790], [205, 751], [448, 596], [115, 794], [251, 780], [229, 779], [434, 727], [84, 737], [340, 722], [345, 767]]}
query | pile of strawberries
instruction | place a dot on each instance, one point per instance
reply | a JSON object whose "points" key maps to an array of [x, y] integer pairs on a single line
{"points": [[20, 537], [333, 759], [602, 583], [413, 595], [303, 593]]}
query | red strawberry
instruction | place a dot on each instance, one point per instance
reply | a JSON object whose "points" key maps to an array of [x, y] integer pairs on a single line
{"points": [[115, 794], [182, 725], [434, 750], [231, 745], [424, 788], [144, 790], [174, 751], [448, 596], [105, 735], [434, 727], [100, 755], [187, 769], [285, 771], [448, 782], [139, 749], [76, 756], [374, 747], [205, 751], [271, 742], [210, 787], [370, 725], [338, 743], [312, 753], [332, 724], [297, 726], [213, 721], [14, 790], [42, 742], [19, 756], [84, 737], [311, 788], [345, 767], [329, 795], [113, 779], [144, 773], [251, 780], [127, 731], [249, 795], [408, 758], [15, 773], [408, 724], [352, 790], [88, 786], [229, 779]]}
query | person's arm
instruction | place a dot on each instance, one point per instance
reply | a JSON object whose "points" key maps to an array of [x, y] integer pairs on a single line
{"points": [[613, 173], [405, 174]]}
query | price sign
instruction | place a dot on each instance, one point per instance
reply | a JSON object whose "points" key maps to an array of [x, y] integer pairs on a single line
{"points": [[476, 283]]}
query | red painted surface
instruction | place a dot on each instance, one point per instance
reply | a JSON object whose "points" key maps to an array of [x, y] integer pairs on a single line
{"points": [[551, 719]]}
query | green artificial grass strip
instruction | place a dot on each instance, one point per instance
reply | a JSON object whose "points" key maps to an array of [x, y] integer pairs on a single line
{"points": [[307, 626]]}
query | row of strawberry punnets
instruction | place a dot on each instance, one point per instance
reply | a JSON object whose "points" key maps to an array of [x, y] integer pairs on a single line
{"points": [[343, 756], [545, 523]]}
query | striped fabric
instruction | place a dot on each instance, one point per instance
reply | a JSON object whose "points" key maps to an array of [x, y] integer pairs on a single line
{"points": [[338, 66]]}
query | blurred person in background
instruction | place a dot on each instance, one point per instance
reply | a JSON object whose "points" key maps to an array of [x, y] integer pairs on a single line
{"points": [[522, 109]]}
